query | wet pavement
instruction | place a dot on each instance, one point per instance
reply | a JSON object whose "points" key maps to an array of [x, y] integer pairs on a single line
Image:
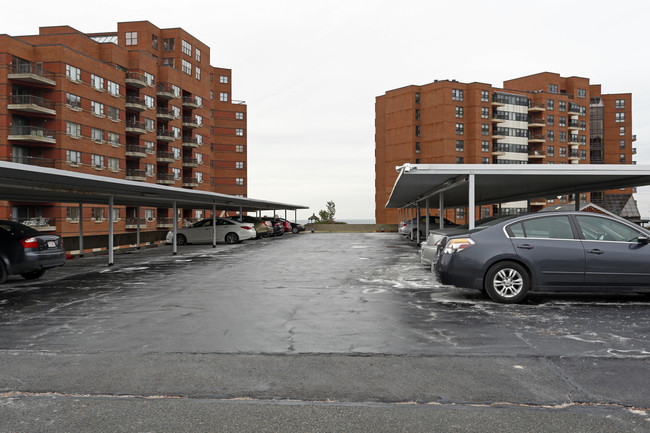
{"points": [[333, 326]]}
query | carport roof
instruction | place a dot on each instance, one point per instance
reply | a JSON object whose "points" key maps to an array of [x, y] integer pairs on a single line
{"points": [[20, 182], [506, 183]]}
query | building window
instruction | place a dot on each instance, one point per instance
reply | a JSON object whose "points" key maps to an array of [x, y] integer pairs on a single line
{"points": [[551, 135], [621, 130], [149, 169], [417, 114], [113, 164], [73, 129], [417, 97], [620, 117], [417, 147], [239, 132], [620, 103], [485, 96], [239, 148], [97, 135], [239, 181], [583, 154], [198, 73], [176, 131], [186, 67], [460, 212], [460, 128], [552, 88], [177, 152], [98, 213], [199, 157], [239, 116], [622, 158], [562, 136], [114, 113], [73, 101], [186, 47], [562, 105], [199, 179], [621, 144], [113, 88], [114, 138], [149, 124], [197, 54], [72, 213], [460, 112], [176, 172], [417, 130], [96, 108], [460, 145], [176, 111], [169, 61], [550, 104], [457, 95], [485, 129], [73, 73], [73, 157], [168, 44], [485, 146], [562, 121], [149, 101], [485, 113], [97, 161], [485, 160], [239, 164], [96, 82], [223, 79], [460, 160], [550, 120], [223, 96], [198, 100], [154, 42], [562, 152], [131, 38], [550, 150], [150, 147], [582, 93]]}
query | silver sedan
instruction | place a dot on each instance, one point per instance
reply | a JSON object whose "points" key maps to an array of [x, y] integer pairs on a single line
{"points": [[228, 231]]}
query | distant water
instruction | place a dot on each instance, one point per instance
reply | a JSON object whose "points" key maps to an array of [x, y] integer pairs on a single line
{"points": [[345, 220]]}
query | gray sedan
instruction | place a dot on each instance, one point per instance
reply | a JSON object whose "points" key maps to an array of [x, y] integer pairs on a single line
{"points": [[566, 251]]}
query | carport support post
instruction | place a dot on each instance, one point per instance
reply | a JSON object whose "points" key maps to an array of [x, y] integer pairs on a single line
{"points": [[426, 203], [81, 230], [241, 214], [417, 224], [214, 225], [577, 201], [175, 228], [110, 231], [472, 200], [441, 210], [137, 233]]}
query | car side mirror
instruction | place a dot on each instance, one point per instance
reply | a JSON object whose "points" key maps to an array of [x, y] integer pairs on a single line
{"points": [[643, 239]]}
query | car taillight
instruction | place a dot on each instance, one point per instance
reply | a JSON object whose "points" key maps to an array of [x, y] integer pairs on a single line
{"points": [[456, 245], [29, 242], [246, 227]]}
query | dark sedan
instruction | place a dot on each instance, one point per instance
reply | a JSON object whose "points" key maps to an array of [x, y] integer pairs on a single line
{"points": [[566, 251], [27, 252]]}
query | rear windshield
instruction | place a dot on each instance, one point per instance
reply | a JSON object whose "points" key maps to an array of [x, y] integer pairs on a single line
{"points": [[17, 230]]}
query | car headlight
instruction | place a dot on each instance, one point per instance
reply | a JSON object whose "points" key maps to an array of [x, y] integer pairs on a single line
{"points": [[456, 245]]}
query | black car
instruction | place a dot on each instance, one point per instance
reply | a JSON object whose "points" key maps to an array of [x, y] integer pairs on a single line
{"points": [[295, 227], [565, 251], [27, 252]]}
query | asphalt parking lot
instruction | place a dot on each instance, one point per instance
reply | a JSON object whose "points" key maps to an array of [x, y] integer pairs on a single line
{"points": [[310, 332]]}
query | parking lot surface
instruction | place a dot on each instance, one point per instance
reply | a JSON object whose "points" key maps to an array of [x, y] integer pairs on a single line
{"points": [[310, 332]]}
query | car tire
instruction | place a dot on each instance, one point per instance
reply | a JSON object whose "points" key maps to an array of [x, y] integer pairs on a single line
{"points": [[507, 282], [3, 272], [33, 275], [294, 230], [181, 240], [232, 238]]}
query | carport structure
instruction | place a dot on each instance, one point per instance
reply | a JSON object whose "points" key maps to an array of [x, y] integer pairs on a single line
{"points": [[20, 182], [455, 185]]}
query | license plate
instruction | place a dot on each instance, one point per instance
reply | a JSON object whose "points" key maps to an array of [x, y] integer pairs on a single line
{"points": [[51, 244]]}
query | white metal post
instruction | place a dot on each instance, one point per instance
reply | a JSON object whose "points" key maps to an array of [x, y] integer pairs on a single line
{"points": [[110, 231], [417, 223], [214, 225], [137, 218], [427, 223], [472, 200], [81, 230], [441, 210], [175, 228]]}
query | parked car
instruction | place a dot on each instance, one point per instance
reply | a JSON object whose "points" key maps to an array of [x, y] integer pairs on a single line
{"points": [[566, 251], [409, 228], [263, 228], [429, 248], [228, 231], [279, 226], [295, 227], [27, 252]]}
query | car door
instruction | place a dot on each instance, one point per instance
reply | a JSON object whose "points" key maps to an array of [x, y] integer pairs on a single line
{"points": [[201, 232], [550, 248], [223, 227], [614, 256]]}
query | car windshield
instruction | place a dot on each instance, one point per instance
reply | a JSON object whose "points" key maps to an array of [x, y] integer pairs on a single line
{"points": [[487, 222], [16, 229]]}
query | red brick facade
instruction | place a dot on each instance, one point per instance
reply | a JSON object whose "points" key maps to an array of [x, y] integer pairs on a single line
{"points": [[141, 103]]}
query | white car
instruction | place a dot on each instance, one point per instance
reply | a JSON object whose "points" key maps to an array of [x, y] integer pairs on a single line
{"points": [[228, 231]]}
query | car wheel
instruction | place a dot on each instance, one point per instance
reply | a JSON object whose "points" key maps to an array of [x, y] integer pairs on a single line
{"points": [[232, 238], [181, 240], [38, 273], [507, 282], [294, 230], [3, 272]]}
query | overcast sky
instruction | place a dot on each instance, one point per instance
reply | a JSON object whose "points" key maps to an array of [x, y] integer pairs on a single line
{"points": [[310, 70]]}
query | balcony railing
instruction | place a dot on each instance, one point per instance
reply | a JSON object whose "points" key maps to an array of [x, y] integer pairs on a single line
{"points": [[38, 223], [34, 160], [136, 103], [135, 150], [190, 162], [191, 102], [165, 91], [165, 113], [136, 79], [574, 108], [536, 107], [32, 133], [31, 100], [165, 222], [190, 181], [190, 141], [31, 72], [163, 156], [136, 174], [165, 135], [165, 179]]}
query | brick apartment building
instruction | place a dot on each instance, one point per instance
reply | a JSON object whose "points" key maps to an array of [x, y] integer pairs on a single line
{"points": [[538, 119], [140, 103]]}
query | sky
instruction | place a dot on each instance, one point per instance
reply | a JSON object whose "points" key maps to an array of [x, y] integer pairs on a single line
{"points": [[310, 70]]}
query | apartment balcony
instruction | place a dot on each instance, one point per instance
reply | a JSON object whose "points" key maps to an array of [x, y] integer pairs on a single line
{"points": [[574, 109], [31, 134], [135, 103], [536, 138], [538, 122], [499, 100], [35, 160], [190, 182], [31, 104], [190, 122], [191, 102], [165, 114], [634, 137], [165, 91], [497, 152], [135, 174], [133, 223], [574, 125], [165, 179], [536, 107], [135, 79], [537, 154], [190, 162], [498, 134], [164, 222], [136, 151], [634, 151], [135, 127], [32, 73], [165, 157], [165, 135], [39, 223], [498, 117], [538, 202], [574, 140], [190, 142], [574, 156]]}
